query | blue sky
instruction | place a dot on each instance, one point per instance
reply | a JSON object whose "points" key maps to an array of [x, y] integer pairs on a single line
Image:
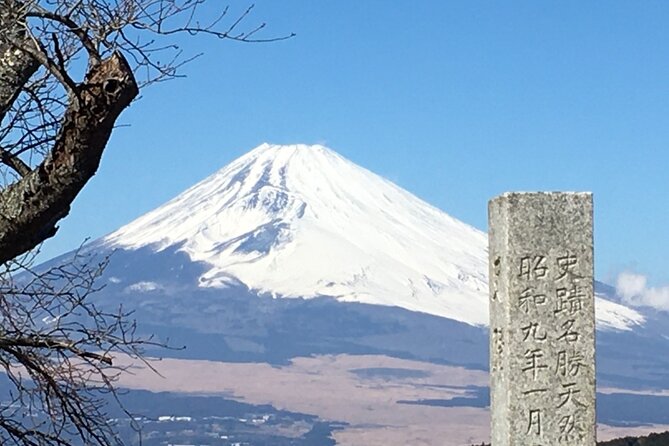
{"points": [[454, 101]]}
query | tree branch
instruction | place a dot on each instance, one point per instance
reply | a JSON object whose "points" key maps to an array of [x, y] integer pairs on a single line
{"points": [[16, 68], [37, 52], [81, 34], [31, 207], [52, 344], [14, 162]]}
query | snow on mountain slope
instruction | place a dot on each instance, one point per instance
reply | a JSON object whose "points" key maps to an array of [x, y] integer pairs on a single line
{"points": [[614, 316], [301, 221]]}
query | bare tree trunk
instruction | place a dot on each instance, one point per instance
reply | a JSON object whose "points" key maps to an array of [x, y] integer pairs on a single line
{"points": [[31, 207], [16, 66]]}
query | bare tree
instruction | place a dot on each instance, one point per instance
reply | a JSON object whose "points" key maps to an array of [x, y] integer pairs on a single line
{"points": [[57, 351], [68, 69]]}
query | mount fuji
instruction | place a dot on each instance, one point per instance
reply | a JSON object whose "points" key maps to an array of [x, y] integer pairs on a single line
{"points": [[295, 252], [302, 221]]}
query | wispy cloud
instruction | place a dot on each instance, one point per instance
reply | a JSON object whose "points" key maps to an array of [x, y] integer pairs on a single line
{"points": [[632, 287]]}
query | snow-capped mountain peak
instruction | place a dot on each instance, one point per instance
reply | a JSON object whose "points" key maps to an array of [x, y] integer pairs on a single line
{"points": [[302, 221]]}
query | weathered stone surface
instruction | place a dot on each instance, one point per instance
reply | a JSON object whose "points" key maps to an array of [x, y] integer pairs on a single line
{"points": [[542, 319]]}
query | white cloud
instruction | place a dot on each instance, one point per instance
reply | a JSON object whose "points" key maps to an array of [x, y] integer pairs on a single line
{"points": [[633, 289], [144, 287], [630, 285]]}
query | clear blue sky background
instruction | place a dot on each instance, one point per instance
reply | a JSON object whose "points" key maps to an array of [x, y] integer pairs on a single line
{"points": [[454, 101]]}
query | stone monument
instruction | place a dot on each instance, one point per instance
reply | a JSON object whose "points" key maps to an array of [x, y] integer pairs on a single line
{"points": [[542, 319]]}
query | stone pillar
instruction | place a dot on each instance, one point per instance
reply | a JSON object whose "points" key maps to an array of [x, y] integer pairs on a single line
{"points": [[542, 319]]}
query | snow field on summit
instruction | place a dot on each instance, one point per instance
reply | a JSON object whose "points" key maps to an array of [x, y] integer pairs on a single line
{"points": [[302, 221]]}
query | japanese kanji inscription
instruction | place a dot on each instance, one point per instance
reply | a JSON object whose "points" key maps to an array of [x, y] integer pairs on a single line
{"points": [[542, 319]]}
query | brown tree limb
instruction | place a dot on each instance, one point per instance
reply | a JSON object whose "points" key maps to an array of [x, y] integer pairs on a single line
{"points": [[16, 68], [82, 35], [14, 162], [37, 52], [31, 207], [50, 343]]}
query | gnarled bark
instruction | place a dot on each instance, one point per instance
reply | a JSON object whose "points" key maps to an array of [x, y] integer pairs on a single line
{"points": [[16, 66], [31, 207]]}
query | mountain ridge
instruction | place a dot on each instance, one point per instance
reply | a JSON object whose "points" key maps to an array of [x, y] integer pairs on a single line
{"points": [[302, 221], [314, 224]]}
